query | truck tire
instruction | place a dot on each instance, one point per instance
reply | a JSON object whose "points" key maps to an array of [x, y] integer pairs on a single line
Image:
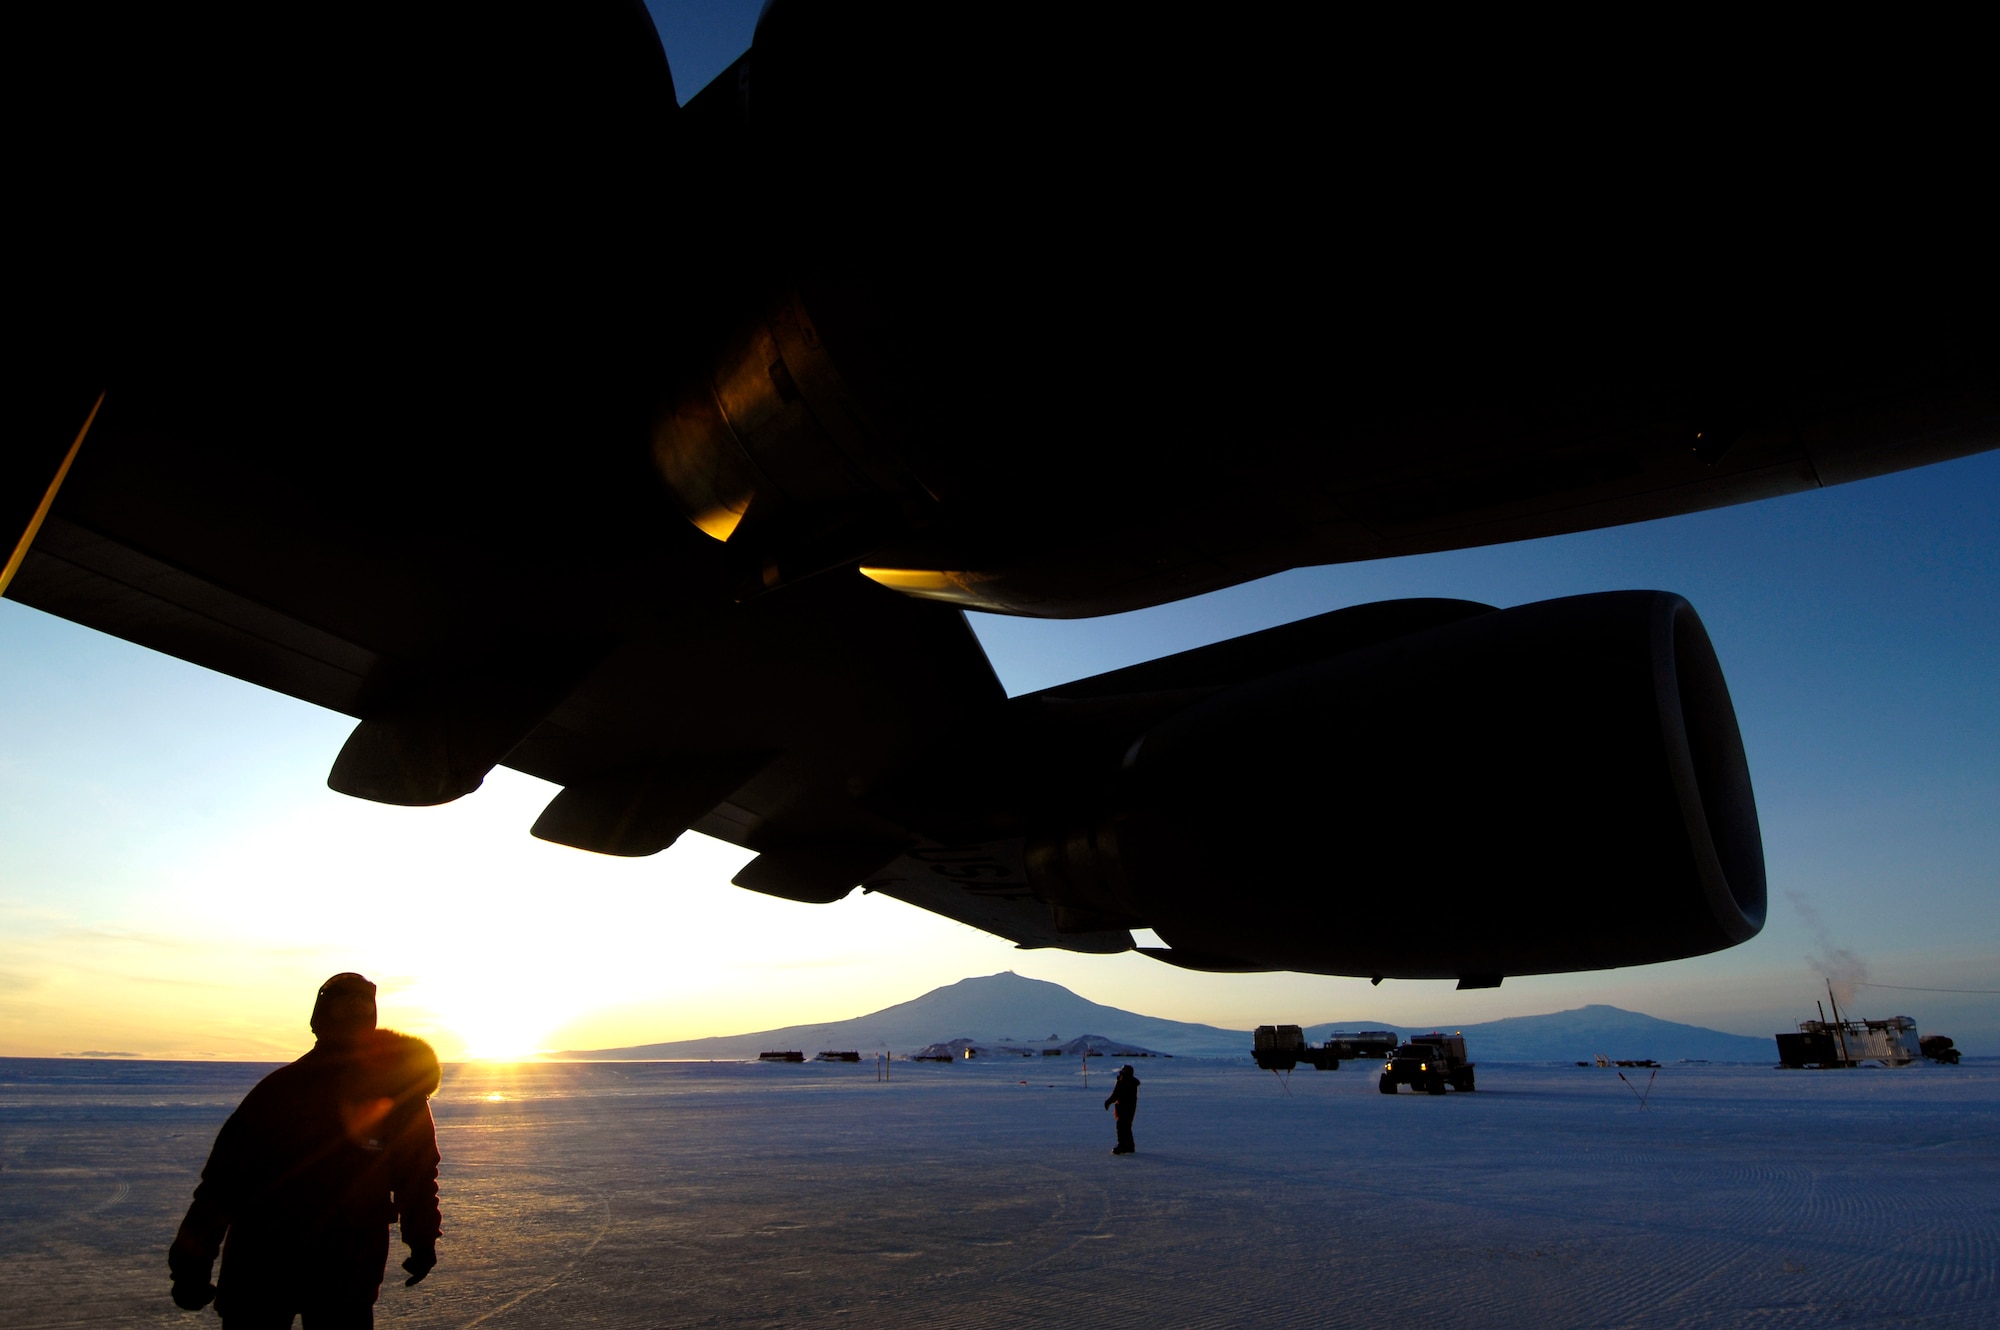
{"points": [[1436, 1084], [1468, 1087], [1386, 1085]]}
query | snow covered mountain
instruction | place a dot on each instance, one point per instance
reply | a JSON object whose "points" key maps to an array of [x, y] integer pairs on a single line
{"points": [[1578, 1034], [993, 1009], [1009, 1009]]}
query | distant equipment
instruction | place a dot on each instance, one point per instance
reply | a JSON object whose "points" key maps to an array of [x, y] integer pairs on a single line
{"points": [[1849, 1043], [1844, 1042], [829, 1055], [1429, 1062], [795, 1055]]}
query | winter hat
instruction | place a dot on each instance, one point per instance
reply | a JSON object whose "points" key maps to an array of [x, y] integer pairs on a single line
{"points": [[345, 1003]]}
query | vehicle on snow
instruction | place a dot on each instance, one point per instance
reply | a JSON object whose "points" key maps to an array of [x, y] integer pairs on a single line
{"points": [[1428, 1062]]}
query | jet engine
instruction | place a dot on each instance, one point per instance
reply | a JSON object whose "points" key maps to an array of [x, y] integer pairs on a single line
{"points": [[1471, 794]]}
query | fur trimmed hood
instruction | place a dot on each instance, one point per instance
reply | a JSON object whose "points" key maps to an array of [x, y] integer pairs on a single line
{"points": [[402, 1066]]}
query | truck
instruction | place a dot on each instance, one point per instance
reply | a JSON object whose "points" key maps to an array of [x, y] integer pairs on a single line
{"points": [[1361, 1045], [1283, 1047], [1939, 1048], [1428, 1062]]}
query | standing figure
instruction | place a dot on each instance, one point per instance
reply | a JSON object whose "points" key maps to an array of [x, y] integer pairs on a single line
{"points": [[1125, 1096], [307, 1174]]}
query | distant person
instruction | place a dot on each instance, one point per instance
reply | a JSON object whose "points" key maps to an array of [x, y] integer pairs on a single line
{"points": [[1125, 1096], [308, 1172]]}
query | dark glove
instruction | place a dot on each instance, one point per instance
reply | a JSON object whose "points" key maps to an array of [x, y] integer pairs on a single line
{"points": [[190, 1267], [422, 1261]]}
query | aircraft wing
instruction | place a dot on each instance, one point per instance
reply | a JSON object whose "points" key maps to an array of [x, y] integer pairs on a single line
{"points": [[987, 887], [752, 722], [470, 385], [755, 724]]}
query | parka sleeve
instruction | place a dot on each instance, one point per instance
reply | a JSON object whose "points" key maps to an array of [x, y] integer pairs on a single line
{"points": [[216, 1199], [415, 1180]]}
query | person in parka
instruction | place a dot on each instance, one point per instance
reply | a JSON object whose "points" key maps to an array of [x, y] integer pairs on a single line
{"points": [[307, 1174], [1125, 1095]]}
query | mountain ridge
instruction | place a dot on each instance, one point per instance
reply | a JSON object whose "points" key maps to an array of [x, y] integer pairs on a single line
{"points": [[1010, 1008]]}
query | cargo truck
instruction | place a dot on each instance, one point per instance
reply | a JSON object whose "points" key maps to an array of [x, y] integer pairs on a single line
{"points": [[1428, 1062], [1283, 1047]]}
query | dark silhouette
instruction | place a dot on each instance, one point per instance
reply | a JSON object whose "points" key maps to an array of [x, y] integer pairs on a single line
{"points": [[307, 1173], [1125, 1095], [866, 487]]}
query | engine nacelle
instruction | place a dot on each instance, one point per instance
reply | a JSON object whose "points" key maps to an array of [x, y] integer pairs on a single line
{"points": [[1555, 787]]}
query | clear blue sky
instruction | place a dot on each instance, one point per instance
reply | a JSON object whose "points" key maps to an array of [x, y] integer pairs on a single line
{"points": [[175, 878]]}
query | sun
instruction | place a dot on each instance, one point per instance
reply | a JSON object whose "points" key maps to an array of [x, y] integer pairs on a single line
{"points": [[495, 1026], [497, 1038], [500, 1050]]}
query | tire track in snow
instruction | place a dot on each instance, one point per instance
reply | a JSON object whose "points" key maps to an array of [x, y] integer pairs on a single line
{"points": [[603, 1228]]}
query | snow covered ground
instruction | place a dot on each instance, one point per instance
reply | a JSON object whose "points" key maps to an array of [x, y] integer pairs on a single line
{"points": [[742, 1195]]}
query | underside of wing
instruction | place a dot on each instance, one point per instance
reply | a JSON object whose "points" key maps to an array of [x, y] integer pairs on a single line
{"points": [[986, 887], [470, 385]]}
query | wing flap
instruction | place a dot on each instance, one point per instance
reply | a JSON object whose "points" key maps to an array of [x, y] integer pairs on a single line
{"points": [[986, 887]]}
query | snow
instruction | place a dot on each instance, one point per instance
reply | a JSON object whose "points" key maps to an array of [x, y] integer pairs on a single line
{"points": [[691, 1194]]}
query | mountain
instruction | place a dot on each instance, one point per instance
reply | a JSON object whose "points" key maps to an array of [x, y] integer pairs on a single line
{"points": [[1572, 1036], [1006, 1008], [997, 1008]]}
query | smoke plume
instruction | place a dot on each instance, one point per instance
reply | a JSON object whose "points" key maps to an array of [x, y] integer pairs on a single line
{"points": [[1838, 965]]}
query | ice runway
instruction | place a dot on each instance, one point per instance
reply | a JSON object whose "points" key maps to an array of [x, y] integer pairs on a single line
{"points": [[685, 1194]]}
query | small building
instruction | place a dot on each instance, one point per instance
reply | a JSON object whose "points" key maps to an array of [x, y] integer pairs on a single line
{"points": [[1083, 1046]]}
